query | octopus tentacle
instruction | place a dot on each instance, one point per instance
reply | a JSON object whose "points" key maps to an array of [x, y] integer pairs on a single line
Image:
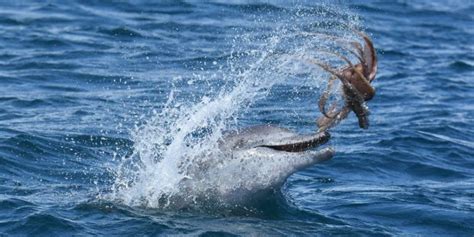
{"points": [[324, 97], [326, 123], [369, 55]]}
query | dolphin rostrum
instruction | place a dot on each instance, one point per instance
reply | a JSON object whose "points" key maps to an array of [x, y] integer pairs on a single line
{"points": [[248, 164]]}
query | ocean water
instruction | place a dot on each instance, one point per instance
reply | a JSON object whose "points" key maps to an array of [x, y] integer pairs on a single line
{"points": [[100, 101]]}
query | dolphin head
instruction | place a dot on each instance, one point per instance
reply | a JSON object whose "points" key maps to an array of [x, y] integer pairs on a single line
{"points": [[263, 157], [252, 162]]}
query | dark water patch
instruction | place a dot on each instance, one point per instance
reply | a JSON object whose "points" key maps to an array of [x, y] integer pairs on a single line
{"points": [[13, 210], [96, 213], [38, 150], [421, 222], [41, 224], [433, 172], [461, 66], [10, 21], [24, 151], [30, 103], [120, 32], [83, 113], [42, 41], [42, 66], [7, 99], [62, 88], [7, 56], [64, 101]]}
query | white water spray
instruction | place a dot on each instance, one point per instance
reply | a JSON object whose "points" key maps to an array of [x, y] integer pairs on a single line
{"points": [[182, 135]]}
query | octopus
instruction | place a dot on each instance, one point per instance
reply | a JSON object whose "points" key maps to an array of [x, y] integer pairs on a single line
{"points": [[356, 85]]}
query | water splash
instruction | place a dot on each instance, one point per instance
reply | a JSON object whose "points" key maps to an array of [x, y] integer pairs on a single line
{"points": [[183, 135]]}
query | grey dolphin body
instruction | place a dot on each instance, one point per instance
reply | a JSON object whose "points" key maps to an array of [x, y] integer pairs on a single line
{"points": [[250, 162]]}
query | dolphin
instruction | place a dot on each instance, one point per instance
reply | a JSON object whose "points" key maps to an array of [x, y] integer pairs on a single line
{"points": [[248, 165]]}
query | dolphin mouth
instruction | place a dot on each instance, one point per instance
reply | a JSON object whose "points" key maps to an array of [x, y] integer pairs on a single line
{"points": [[299, 143]]}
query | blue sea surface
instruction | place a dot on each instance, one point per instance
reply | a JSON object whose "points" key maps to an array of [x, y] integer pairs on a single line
{"points": [[78, 79]]}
